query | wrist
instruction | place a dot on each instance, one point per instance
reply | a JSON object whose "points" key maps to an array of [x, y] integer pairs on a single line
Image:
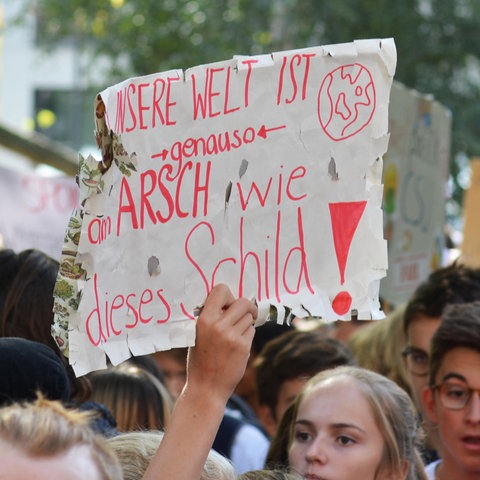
{"points": [[205, 396]]}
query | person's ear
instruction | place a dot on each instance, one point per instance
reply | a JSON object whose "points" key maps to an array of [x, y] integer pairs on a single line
{"points": [[267, 419], [405, 467], [429, 404]]}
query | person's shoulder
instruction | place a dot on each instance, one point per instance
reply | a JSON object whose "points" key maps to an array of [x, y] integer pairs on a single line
{"points": [[236, 430]]}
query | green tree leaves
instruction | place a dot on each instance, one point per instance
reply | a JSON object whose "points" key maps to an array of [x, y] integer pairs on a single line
{"points": [[437, 40]]}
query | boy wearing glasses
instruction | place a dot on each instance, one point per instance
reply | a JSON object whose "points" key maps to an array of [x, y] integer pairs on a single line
{"points": [[446, 286], [452, 399]]}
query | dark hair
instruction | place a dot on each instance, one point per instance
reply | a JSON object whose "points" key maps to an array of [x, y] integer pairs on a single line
{"points": [[267, 332], [136, 398], [455, 283], [26, 294], [146, 362], [296, 354], [459, 327], [27, 282]]}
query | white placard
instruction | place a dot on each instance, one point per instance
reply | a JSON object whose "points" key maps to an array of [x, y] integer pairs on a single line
{"points": [[262, 172]]}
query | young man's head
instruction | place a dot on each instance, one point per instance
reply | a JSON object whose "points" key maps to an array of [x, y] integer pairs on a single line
{"points": [[247, 387], [449, 285], [452, 399], [286, 363]]}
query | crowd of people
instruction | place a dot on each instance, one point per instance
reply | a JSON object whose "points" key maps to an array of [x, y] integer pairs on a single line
{"points": [[399, 399]]}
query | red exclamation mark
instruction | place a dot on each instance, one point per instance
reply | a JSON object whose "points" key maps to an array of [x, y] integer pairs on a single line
{"points": [[345, 217]]}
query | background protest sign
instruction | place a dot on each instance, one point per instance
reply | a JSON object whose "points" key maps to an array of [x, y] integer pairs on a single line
{"points": [[261, 172], [470, 249], [414, 175], [34, 210]]}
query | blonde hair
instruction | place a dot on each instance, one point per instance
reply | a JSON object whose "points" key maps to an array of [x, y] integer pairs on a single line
{"points": [[276, 474], [394, 415], [46, 428], [378, 346], [135, 450], [135, 397]]}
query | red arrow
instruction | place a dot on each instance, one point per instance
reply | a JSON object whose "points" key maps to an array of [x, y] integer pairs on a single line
{"points": [[264, 130], [163, 154]]}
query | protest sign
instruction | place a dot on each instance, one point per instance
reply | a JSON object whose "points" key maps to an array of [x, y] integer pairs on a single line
{"points": [[414, 177], [35, 209], [260, 172], [470, 248]]}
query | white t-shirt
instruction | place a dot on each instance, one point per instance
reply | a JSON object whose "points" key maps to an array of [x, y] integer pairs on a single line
{"points": [[430, 469], [249, 449]]}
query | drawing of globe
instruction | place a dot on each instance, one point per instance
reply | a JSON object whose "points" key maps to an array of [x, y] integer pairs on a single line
{"points": [[346, 101]]}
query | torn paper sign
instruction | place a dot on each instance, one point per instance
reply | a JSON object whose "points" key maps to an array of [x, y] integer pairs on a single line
{"points": [[260, 172]]}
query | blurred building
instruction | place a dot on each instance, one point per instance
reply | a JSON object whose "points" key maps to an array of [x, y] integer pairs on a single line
{"points": [[46, 92]]}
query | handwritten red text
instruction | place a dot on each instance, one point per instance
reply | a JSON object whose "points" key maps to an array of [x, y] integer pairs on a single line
{"points": [[272, 269], [145, 105], [289, 80], [215, 97], [124, 312]]}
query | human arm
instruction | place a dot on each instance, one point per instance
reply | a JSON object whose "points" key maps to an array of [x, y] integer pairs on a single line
{"points": [[224, 334]]}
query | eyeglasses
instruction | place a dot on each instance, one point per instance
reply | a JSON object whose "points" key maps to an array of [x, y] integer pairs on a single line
{"points": [[454, 396], [416, 360]]}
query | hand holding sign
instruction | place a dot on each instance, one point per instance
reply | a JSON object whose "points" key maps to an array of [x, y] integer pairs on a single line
{"points": [[215, 365], [224, 337]]}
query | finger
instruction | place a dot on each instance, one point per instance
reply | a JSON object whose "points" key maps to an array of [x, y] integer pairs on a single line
{"points": [[243, 306], [219, 299], [240, 316]]}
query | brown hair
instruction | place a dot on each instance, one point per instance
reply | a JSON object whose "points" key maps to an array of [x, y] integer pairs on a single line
{"points": [[136, 398], [26, 304], [455, 283], [296, 354], [459, 327], [277, 455]]}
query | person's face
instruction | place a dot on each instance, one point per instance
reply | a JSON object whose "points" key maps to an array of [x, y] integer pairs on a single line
{"points": [[174, 371], [287, 394], [420, 332], [289, 389], [247, 387], [76, 464], [269, 417], [335, 434], [459, 429]]}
